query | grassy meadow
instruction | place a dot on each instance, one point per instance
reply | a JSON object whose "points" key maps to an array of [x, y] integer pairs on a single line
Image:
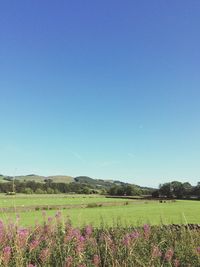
{"points": [[121, 211], [128, 232], [57, 199]]}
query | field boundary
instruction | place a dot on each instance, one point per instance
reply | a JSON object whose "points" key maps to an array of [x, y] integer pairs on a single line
{"points": [[68, 206]]}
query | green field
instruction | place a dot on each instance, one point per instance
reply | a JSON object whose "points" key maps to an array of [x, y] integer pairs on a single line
{"points": [[39, 200], [136, 212]]}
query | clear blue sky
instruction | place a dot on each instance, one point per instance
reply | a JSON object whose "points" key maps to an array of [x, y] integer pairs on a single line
{"points": [[108, 89]]}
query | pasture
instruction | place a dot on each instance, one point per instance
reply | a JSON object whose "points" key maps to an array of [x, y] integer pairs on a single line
{"points": [[22, 200], [120, 211], [86, 232]]}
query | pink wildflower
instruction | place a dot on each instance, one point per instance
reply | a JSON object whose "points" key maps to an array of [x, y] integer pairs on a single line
{"points": [[22, 237], [31, 265], [169, 254], [58, 215], [34, 244], [47, 229], [134, 235], [198, 250], [76, 233], [69, 261], [44, 255], [23, 233], [70, 235], [50, 219], [2, 232], [147, 230], [6, 255], [96, 260], [176, 263], [79, 247], [81, 238], [88, 230], [108, 239], [126, 240], [156, 253], [80, 243]]}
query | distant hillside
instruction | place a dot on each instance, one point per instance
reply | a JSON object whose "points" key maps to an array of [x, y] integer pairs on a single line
{"points": [[38, 178], [2, 179], [99, 183], [31, 177], [61, 179], [94, 183]]}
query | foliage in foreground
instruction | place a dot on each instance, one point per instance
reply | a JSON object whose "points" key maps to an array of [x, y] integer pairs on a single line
{"points": [[59, 244]]}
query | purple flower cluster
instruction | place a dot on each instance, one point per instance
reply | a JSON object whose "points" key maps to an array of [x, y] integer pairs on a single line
{"points": [[6, 255], [56, 244], [147, 230], [22, 237], [169, 254], [129, 238], [156, 253]]}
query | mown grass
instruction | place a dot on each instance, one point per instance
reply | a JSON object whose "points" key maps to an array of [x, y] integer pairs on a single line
{"points": [[39, 200], [136, 213]]}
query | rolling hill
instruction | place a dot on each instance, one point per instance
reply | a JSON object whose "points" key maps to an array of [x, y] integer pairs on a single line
{"points": [[38, 178], [95, 183]]}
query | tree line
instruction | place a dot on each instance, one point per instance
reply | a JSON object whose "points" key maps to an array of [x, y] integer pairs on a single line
{"points": [[125, 190], [174, 189], [49, 187], [177, 190]]}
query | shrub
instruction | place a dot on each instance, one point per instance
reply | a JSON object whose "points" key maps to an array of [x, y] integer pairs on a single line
{"points": [[92, 205], [40, 191], [28, 190], [50, 191]]}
